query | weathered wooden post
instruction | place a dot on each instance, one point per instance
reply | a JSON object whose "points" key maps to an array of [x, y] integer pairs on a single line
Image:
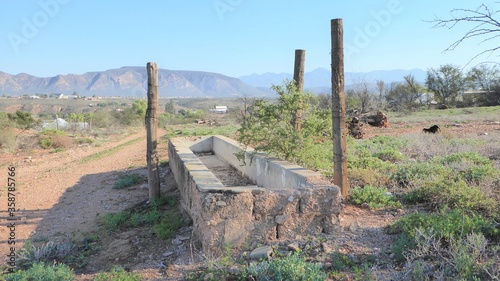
{"points": [[298, 77], [338, 108], [151, 129]]}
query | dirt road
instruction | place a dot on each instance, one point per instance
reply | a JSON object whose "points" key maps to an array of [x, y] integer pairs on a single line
{"points": [[60, 196]]}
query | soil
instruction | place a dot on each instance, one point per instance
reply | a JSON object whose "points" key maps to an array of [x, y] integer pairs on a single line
{"points": [[61, 198]]}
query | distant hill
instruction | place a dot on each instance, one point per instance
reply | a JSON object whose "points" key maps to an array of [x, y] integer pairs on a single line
{"points": [[319, 80], [129, 81]]}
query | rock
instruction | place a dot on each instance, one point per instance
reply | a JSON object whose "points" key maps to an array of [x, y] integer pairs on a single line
{"points": [[280, 219], [354, 227], [144, 186], [208, 277], [290, 199], [326, 248], [353, 258], [293, 247], [234, 270], [168, 254], [176, 241], [221, 203], [261, 253], [365, 205], [183, 238]]}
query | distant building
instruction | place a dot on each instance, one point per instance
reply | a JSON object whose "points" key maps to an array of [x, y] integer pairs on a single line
{"points": [[60, 96], [34, 97], [221, 109]]}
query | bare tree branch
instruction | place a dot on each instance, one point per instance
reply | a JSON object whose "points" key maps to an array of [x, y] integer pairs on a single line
{"points": [[484, 23]]}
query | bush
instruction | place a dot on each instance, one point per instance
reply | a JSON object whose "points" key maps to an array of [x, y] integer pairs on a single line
{"points": [[115, 220], [43, 272], [291, 268], [54, 139], [375, 197], [456, 195], [463, 258], [7, 138], [117, 274], [128, 181], [446, 224], [171, 222], [416, 173], [47, 252]]}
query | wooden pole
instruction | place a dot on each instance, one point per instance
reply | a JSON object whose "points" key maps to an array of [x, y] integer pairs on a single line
{"points": [[338, 108], [151, 129], [298, 77]]}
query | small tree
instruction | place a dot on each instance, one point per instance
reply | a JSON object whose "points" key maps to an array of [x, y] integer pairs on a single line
{"points": [[23, 120], [363, 94], [446, 83], [169, 107], [269, 127]]}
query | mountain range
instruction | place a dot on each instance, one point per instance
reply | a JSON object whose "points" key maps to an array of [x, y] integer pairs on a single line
{"points": [[319, 80], [132, 81]]}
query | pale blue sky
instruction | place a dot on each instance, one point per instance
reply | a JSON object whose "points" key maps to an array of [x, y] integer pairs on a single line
{"points": [[232, 37]]}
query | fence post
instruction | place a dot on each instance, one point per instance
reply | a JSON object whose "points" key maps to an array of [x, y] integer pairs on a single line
{"points": [[151, 130], [298, 77], [338, 108]]}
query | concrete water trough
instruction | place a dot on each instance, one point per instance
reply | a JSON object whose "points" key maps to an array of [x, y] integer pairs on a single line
{"points": [[250, 199]]}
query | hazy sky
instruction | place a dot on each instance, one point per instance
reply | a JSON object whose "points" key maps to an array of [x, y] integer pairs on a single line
{"points": [[232, 37]]}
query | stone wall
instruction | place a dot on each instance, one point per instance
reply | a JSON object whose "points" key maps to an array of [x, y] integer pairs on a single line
{"points": [[289, 201]]}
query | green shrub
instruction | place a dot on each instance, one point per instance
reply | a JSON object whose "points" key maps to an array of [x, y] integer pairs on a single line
{"points": [[128, 181], [363, 177], [45, 143], [7, 138], [117, 274], [456, 195], [417, 172], [473, 157], [48, 252], [84, 141], [390, 154], [52, 132], [447, 223], [463, 258], [291, 268], [375, 197], [171, 222], [49, 138], [43, 272], [115, 220]]}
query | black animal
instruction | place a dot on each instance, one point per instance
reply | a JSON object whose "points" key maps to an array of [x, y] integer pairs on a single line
{"points": [[433, 129]]}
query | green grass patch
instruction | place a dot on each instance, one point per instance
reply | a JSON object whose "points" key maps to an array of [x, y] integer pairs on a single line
{"points": [[117, 274], [43, 272], [162, 215], [454, 194], [446, 224], [291, 268], [375, 197], [109, 152], [227, 130], [128, 180]]}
